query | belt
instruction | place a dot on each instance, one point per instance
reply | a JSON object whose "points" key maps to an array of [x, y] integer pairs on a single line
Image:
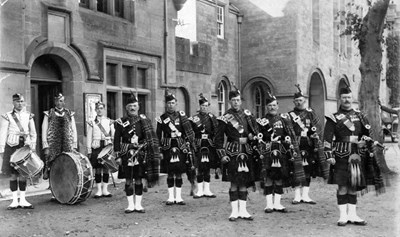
{"points": [[203, 136], [240, 140], [349, 139]]}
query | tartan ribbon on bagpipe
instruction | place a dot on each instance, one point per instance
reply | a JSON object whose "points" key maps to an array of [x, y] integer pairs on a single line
{"points": [[153, 152]]}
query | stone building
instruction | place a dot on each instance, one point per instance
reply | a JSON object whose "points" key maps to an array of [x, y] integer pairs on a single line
{"points": [[91, 49], [303, 46], [87, 49]]}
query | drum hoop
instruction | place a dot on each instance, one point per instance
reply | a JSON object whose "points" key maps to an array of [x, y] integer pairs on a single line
{"points": [[107, 150], [20, 150]]}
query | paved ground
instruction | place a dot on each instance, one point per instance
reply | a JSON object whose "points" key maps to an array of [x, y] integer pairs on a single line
{"points": [[204, 217]]}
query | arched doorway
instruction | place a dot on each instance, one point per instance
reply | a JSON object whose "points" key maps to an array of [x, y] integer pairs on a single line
{"points": [[317, 94], [222, 91], [255, 92], [343, 83], [183, 99], [47, 74]]}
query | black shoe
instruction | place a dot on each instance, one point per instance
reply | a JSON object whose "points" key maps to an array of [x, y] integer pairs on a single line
{"points": [[12, 208], [181, 203], [97, 196], [169, 203], [197, 197], [268, 210], [210, 196], [27, 207], [129, 211], [309, 202], [232, 218], [294, 202], [107, 195], [360, 223], [140, 211], [249, 218], [283, 210], [341, 223]]}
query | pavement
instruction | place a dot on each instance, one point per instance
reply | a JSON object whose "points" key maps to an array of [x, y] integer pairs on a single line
{"points": [[392, 156]]}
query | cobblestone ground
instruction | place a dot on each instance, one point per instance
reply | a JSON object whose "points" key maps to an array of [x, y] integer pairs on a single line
{"points": [[206, 217]]}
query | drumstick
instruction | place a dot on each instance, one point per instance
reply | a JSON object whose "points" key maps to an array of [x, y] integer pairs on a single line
{"points": [[112, 178]]}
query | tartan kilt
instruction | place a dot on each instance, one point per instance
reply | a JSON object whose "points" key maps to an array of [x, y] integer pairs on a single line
{"points": [[93, 157], [230, 172], [132, 172]]}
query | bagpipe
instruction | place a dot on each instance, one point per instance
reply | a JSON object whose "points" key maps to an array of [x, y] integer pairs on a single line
{"points": [[190, 162], [134, 158]]}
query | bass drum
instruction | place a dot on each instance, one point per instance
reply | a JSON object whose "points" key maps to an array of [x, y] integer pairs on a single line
{"points": [[71, 178]]}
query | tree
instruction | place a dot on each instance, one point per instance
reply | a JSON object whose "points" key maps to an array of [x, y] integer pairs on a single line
{"points": [[368, 32]]}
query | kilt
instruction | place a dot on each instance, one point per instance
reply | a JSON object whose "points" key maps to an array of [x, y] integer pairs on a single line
{"points": [[132, 172], [6, 168], [93, 157], [231, 173], [174, 167]]}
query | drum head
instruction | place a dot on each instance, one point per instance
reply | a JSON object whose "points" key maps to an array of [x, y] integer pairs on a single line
{"points": [[106, 150], [64, 178], [20, 154]]}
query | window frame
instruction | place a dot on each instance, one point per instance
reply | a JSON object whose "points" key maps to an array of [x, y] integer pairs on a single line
{"points": [[120, 89], [220, 22], [221, 97]]}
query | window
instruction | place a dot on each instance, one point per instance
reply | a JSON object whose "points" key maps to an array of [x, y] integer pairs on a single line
{"points": [[127, 76], [119, 8], [220, 22], [102, 6], [123, 76], [111, 105], [84, 3], [111, 74], [258, 102], [315, 20], [141, 77], [221, 92], [336, 26]]}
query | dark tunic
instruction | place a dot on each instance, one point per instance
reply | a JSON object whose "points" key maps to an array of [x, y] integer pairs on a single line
{"points": [[236, 126], [281, 159], [204, 127], [174, 132], [308, 130], [348, 127], [135, 135]]}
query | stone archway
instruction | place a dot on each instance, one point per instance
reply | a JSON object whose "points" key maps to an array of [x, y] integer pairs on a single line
{"points": [[56, 67], [183, 99], [254, 93], [343, 83], [317, 94]]}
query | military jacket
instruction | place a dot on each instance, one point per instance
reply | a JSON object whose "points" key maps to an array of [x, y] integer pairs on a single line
{"points": [[235, 124], [95, 133], [10, 131], [343, 126]]}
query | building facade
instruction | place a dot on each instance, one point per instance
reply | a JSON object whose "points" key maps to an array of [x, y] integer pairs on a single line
{"points": [[88, 50], [107, 49], [303, 46]]}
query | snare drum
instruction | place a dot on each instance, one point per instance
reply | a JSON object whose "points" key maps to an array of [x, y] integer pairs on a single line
{"points": [[71, 178], [107, 158], [26, 162]]}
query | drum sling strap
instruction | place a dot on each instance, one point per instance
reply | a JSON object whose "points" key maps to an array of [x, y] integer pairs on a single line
{"points": [[18, 122], [97, 122]]}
